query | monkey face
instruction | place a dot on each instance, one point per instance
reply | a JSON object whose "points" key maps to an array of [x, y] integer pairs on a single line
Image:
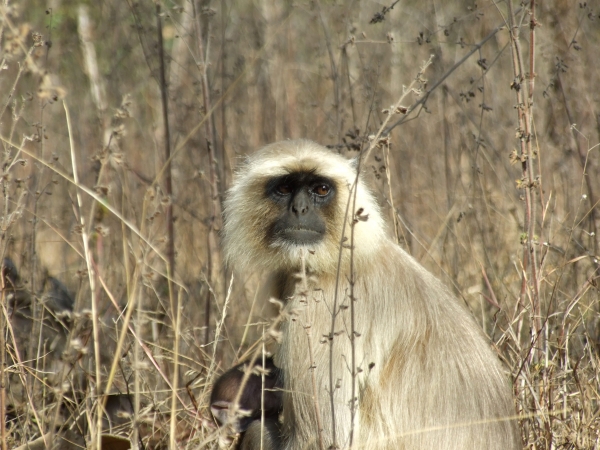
{"points": [[290, 203], [304, 203]]}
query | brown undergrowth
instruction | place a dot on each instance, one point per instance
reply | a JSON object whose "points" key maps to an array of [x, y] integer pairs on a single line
{"points": [[117, 308]]}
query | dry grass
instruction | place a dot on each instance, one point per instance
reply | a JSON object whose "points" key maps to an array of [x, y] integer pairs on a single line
{"points": [[86, 201]]}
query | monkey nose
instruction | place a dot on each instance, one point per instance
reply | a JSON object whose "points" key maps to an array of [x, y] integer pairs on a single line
{"points": [[299, 209], [300, 204]]}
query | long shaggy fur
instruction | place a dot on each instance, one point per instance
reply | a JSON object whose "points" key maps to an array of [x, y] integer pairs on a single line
{"points": [[427, 378]]}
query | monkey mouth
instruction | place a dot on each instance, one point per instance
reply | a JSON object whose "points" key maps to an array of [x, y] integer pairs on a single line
{"points": [[299, 236]]}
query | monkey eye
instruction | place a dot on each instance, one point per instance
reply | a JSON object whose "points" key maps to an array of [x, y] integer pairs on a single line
{"points": [[284, 189], [321, 190]]}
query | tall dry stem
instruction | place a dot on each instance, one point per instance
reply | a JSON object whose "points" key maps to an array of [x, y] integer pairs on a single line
{"points": [[523, 86]]}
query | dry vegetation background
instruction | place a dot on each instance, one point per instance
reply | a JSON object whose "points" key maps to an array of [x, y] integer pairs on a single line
{"points": [[90, 204]]}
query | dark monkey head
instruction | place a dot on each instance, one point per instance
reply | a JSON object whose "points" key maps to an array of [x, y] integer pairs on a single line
{"points": [[10, 275], [226, 388], [290, 199]]}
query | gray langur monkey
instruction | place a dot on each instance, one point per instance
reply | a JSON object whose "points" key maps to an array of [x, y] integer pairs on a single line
{"points": [[375, 352]]}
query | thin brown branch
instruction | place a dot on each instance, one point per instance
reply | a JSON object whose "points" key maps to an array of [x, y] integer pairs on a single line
{"points": [[525, 120], [334, 73], [214, 269], [315, 393], [3, 301], [449, 72], [91, 272], [167, 143]]}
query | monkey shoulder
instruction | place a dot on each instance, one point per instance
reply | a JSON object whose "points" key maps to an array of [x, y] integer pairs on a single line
{"points": [[400, 290]]}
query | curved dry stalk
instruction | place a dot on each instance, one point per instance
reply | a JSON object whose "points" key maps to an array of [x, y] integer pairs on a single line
{"points": [[96, 433]]}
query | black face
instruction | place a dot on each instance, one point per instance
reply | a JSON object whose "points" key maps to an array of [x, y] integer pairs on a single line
{"points": [[305, 200]]}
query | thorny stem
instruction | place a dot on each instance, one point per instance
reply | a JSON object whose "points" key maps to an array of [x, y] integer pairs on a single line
{"points": [[334, 313], [384, 130], [352, 192], [352, 198], [477, 47], [524, 94], [353, 332], [532, 25], [315, 396]]}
